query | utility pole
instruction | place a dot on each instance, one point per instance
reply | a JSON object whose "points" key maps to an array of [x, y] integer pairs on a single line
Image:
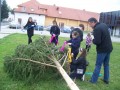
{"points": [[0, 13]]}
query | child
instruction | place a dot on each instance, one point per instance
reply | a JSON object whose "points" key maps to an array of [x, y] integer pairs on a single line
{"points": [[78, 66], [55, 32], [74, 43], [30, 29], [88, 42]]}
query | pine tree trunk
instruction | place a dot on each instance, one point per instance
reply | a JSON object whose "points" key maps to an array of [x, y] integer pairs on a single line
{"points": [[68, 80]]}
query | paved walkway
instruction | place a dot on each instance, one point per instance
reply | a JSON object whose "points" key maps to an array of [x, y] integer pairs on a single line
{"points": [[6, 31]]}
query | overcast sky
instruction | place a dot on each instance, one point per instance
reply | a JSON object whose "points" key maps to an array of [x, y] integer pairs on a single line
{"points": [[88, 5]]}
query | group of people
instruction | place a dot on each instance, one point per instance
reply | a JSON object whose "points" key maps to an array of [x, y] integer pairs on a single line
{"points": [[78, 65]]}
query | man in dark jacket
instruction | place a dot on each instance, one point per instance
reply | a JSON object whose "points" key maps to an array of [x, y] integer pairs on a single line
{"points": [[104, 47]]}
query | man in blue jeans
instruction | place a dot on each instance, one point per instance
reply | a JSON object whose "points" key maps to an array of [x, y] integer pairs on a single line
{"points": [[104, 47]]}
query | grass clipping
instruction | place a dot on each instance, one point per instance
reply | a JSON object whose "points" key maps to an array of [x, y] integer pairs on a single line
{"points": [[32, 62]]}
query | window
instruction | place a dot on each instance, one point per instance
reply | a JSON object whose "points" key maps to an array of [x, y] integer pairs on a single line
{"points": [[32, 9], [19, 20], [42, 9], [61, 24], [60, 12]]}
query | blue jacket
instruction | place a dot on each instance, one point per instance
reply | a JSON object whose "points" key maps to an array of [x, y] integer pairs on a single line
{"points": [[75, 44]]}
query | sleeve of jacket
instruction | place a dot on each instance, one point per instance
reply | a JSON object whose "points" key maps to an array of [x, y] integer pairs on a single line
{"points": [[75, 43], [81, 35], [78, 61], [51, 30], [26, 25], [34, 24], [97, 36], [69, 41], [71, 33], [58, 31]]}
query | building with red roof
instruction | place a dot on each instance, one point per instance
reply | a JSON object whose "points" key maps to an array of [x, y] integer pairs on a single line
{"points": [[45, 14]]}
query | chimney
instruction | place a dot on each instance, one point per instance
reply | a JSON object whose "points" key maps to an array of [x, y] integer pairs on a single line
{"points": [[84, 10], [54, 5], [57, 8]]}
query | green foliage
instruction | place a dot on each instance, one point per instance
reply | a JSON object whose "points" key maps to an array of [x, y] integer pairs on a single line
{"points": [[4, 10], [39, 51]]}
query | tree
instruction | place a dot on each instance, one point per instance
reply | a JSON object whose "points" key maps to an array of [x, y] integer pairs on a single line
{"points": [[4, 10], [37, 62]]}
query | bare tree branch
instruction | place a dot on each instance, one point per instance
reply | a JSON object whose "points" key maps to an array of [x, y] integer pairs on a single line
{"points": [[23, 59]]}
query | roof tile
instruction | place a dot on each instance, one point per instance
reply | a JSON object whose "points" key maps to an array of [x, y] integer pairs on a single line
{"points": [[56, 11]]}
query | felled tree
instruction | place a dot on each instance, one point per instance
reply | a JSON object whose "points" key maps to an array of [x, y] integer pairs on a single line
{"points": [[32, 62]]}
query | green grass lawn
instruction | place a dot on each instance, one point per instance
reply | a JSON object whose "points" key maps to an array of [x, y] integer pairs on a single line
{"points": [[8, 45]]}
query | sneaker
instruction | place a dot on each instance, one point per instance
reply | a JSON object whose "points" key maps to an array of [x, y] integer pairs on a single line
{"points": [[92, 82], [106, 82]]}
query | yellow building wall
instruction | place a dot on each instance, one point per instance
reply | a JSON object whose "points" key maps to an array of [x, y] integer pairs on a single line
{"points": [[59, 20], [86, 26], [67, 22], [89, 28], [48, 21], [73, 23]]}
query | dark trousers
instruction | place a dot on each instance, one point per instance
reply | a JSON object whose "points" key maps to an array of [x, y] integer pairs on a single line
{"points": [[75, 54], [29, 39], [72, 66], [73, 70], [88, 47], [55, 40]]}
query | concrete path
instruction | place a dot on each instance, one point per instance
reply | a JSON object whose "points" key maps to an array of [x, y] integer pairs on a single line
{"points": [[6, 31]]}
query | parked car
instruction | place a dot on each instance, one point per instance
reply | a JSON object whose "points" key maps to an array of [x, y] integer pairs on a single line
{"points": [[47, 27], [66, 29], [14, 25], [39, 27]]}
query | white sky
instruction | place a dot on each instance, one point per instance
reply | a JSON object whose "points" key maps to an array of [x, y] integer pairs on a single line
{"points": [[88, 5]]}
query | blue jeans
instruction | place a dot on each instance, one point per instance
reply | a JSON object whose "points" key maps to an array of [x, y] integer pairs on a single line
{"points": [[102, 58]]}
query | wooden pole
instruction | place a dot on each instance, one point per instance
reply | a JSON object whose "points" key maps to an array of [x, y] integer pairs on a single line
{"points": [[66, 77], [68, 80]]}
